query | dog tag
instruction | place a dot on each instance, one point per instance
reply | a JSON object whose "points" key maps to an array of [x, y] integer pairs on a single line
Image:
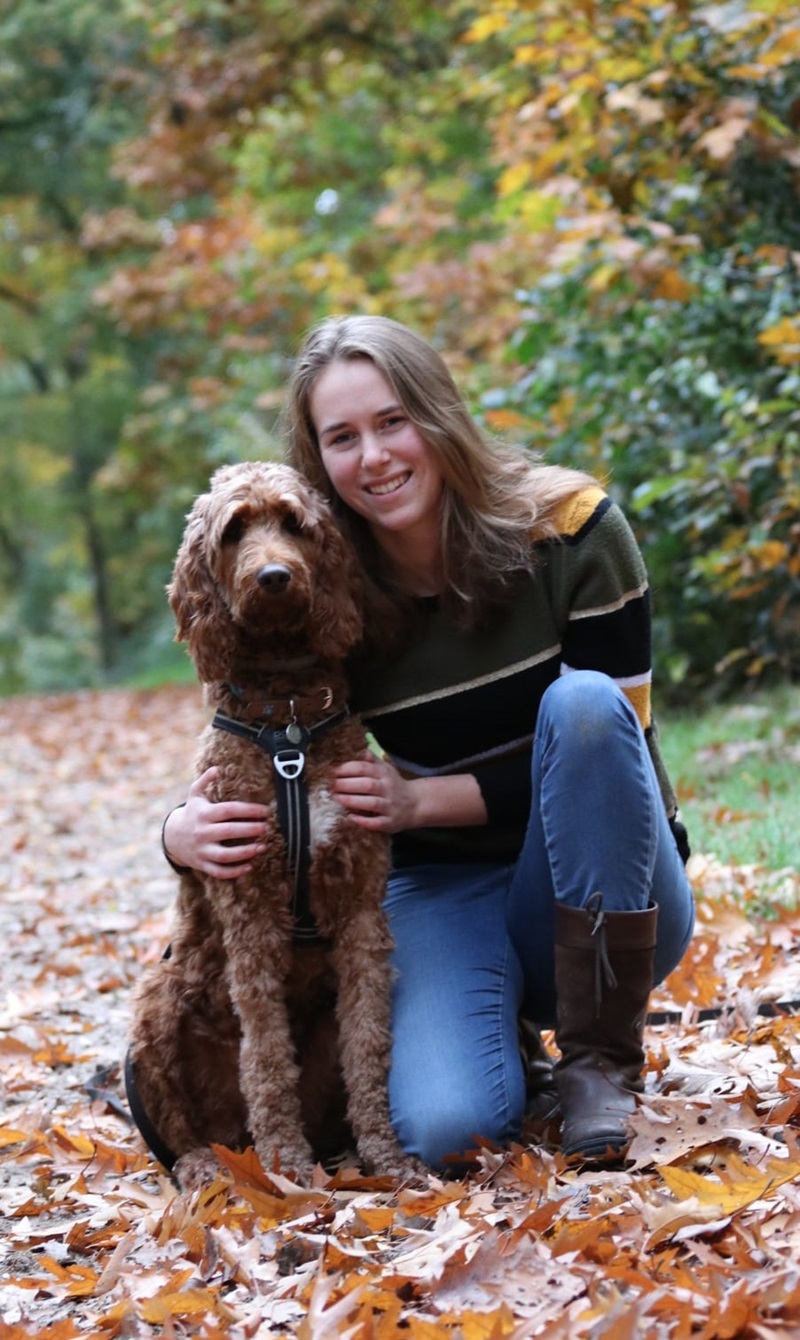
{"points": [[295, 733], [289, 764]]}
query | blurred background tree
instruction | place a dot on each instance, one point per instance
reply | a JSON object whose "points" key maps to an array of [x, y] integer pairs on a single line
{"points": [[591, 209]]}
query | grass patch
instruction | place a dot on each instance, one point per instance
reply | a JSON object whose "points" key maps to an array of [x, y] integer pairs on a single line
{"points": [[736, 768]]}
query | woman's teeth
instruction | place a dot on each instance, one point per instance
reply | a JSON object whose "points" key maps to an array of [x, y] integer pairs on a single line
{"points": [[388, 487]]}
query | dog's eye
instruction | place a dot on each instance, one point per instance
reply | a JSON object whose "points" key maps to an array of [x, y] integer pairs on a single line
{"points": [[292, 524], [234, 531]]}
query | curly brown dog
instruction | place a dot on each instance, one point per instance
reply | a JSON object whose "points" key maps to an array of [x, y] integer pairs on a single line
{"points": [[234, 1037]]}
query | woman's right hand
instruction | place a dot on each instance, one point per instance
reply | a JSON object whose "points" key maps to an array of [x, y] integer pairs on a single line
{"points": [[218, 838]]}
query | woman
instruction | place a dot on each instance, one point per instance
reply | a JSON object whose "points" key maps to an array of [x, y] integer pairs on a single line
{"points": [[506, 675]]}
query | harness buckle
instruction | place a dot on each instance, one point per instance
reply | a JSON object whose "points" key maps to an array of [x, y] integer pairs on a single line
{"points": [[289, 763]]}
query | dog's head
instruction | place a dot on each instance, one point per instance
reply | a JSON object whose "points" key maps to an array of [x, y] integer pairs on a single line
{"points": [[263, 562]]}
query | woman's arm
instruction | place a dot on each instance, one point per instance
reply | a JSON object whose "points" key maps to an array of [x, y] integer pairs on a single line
{"points": [[215, 838], [378, 797], [223, 838]]}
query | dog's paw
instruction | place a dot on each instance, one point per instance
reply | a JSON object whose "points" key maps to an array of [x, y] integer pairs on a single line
{"points": [[196, 1169], [385, 1158], [294, 1161], [407, 1169]]}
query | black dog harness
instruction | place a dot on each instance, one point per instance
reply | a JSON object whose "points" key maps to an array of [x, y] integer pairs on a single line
{"points": [[287, 747]]}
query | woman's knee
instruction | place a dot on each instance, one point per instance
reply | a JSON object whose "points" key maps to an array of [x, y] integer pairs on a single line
{"points": [[581, 692], [585, 706], [441, 1134]]}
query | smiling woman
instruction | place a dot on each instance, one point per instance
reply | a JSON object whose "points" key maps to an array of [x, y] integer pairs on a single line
{"points": [[505, 673]]}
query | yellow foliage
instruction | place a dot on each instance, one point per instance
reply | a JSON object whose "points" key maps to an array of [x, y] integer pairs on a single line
{"points": [[486, 26], [562, 410], [513, 179], [537, 211], [551, 160], [783, 339], [748, 70], [739, 1185], [784, 49], [769, 554], [602, 277], [616, 70]]}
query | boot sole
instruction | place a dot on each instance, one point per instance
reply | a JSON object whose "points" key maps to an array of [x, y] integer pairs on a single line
{"points": [[604, 1154]]}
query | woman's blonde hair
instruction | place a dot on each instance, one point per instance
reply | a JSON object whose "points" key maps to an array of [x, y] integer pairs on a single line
{"points": [[498, 501]]}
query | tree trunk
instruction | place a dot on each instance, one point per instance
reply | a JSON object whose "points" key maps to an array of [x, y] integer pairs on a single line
{"points": [[106, 624]]}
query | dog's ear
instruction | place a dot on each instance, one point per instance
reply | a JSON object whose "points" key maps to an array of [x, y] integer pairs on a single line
{"points": [[337, 614], [202, 620]]}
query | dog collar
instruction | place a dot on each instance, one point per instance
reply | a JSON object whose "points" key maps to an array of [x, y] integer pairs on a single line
{"points": [[320, 700]]}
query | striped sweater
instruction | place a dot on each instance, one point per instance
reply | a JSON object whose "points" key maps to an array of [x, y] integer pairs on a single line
{"points": [[466, 702]]}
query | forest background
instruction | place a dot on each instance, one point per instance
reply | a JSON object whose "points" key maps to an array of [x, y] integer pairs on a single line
{"points": [[590, 208]]}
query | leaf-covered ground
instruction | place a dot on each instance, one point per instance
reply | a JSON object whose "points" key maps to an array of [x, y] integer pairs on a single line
{"points": [[699, 1237]]}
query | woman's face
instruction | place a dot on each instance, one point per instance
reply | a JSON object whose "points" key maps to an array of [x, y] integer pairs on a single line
{"points": [[374, 456]]}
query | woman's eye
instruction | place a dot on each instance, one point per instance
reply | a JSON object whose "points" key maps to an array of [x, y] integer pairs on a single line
{"points": [[394, 423], [234, 531]]}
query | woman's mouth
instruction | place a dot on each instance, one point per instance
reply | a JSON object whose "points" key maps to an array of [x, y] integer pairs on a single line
{"points": [[388, 486]]}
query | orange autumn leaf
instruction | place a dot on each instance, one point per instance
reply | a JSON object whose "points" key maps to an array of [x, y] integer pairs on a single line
{"points": [[377, 1218], [8, 1136], [501, 420], [187, 1303], [79, 1281]]}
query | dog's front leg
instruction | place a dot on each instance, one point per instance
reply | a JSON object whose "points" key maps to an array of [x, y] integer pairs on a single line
{"points": [[256, 969], [363, 1006]]}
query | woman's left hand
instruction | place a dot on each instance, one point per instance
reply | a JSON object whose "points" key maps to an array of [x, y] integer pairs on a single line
{"points": [[379, 797], [375, 794]]}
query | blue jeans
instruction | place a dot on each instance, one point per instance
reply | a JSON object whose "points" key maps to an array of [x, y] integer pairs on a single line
{"points": [[474, 942]]}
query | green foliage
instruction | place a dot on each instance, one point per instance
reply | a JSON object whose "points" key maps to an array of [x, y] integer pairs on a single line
{"points": [[697, 431], [591, 209]]}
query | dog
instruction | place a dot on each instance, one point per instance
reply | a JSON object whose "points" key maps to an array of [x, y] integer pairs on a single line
{"points": [[270, 1010]]}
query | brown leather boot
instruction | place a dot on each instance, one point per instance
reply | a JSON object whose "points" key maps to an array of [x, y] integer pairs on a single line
{"points": [[604, 975]]}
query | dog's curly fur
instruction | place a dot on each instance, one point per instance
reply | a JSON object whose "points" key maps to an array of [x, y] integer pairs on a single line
{"points": [[234, 1034]]}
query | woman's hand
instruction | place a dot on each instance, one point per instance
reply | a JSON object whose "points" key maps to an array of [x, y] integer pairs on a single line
{"points": [[375, 795], [378, 797], [215, 838]]}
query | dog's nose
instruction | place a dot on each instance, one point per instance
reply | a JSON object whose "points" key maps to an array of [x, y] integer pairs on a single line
{"points": [[274, 577]]}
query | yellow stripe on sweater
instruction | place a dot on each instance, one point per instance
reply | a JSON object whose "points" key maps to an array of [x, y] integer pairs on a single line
{"points": [[639, 698], [576, 510]]}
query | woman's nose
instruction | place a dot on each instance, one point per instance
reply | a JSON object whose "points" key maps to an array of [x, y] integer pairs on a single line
{"points": [[373, 449]]}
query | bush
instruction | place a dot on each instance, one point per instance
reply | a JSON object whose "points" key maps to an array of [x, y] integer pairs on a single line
{"points": [[687, 413]]}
